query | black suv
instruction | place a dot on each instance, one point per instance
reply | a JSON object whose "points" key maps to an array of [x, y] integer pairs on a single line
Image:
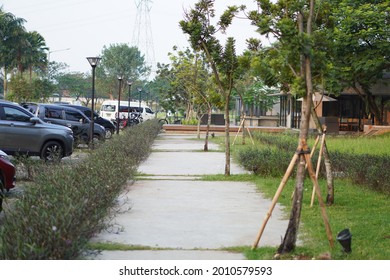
{"points": [[107, 124], [22, 133], [69, 117]]}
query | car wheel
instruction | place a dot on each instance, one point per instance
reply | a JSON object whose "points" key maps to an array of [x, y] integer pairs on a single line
{"points": [[109, 133], [52, 151], [98, 138]]}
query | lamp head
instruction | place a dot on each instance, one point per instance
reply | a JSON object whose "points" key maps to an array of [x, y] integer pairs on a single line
{"points": [[93, 61]]}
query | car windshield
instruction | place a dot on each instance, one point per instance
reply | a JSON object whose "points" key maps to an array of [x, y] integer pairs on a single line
{"points": [[108, 108]]}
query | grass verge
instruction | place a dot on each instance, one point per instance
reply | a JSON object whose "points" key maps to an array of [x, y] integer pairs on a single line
{"points": [[363, 211]]}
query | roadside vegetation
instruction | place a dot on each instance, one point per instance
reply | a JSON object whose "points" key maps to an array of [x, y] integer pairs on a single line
{"points": [[361, 194], [64, 205]]}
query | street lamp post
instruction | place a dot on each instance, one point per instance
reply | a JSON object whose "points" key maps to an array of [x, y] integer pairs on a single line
{"points": [[93, 61], [128, 107], [120, 78]]}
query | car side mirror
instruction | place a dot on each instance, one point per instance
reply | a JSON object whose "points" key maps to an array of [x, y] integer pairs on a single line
{"points": [[34, 120]]}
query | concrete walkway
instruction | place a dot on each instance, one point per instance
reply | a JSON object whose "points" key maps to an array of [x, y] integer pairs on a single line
{"points": [[189, 219]]}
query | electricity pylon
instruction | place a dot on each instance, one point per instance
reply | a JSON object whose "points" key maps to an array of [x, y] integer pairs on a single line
{"points": [[142, 33]]}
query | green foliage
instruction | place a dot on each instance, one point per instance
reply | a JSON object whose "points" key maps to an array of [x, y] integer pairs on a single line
{"points": [[120, 60], [349, 156], [68, 203], [364, 169], [21, 89], [20, 49], [264, 161], [77, 84], [202, 36]]}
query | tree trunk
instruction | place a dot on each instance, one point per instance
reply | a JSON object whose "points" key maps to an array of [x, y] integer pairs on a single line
{"points": [[290, 238], [378, 120], [227, 135], [227, 99], [368, 98], [206, 141]]}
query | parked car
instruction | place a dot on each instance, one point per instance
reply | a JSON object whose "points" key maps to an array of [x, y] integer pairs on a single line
{"points": [[7, 176], [7, 172], [69, 117], [107, 124], [22, 133]]}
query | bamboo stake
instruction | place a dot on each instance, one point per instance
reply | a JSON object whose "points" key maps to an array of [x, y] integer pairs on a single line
{"points": [[250, 135], [315, 145], [239, 129], [311, 155], [318, 167], [321, 202], [276, 197]]}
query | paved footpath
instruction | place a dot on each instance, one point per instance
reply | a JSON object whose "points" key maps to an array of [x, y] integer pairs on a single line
{"points": [[189, 219]]}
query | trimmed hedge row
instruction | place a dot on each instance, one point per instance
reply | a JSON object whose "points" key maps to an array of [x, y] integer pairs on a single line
{"points": [[68, 203], [367, 170], [273, 160]]}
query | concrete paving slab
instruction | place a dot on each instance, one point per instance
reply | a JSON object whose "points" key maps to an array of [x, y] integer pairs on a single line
{"points": [[194, 214], [187, 163], [172, 144]]}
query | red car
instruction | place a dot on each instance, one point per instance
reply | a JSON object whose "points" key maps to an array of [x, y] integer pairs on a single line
{"points": [[7, 176], [7, 172]]}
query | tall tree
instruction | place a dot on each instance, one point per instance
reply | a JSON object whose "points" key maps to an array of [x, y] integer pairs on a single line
{"points": [[362, 46], [35, 56], [281, 63], [291, 21], [202, 33], [120, 59], [170, 94], [76, 84], [11, 30]]}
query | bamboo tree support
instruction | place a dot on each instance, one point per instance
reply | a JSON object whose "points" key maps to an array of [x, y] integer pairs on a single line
{"points": [[321, 202], [301, 151], [276, 197], [318, 165], [311, 155], [239, 129]]}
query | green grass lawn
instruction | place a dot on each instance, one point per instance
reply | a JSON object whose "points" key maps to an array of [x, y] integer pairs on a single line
{"points": [[379, 145]]}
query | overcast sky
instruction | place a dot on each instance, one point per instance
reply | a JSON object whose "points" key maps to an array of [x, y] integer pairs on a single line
{"points": [[76, 29]]}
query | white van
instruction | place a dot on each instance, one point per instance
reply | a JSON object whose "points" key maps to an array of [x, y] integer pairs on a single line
{"points": [[109, 110]]}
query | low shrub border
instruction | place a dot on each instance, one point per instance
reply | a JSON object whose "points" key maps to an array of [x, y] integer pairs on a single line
{"points": [[273, 158], [67, 204]]}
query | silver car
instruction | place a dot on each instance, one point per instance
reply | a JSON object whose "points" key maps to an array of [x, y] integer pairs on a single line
{"points": [[21, 133]]}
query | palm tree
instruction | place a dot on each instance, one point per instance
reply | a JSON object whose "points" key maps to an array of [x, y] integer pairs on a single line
{"points": [[11, 29], [34, 56]]}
